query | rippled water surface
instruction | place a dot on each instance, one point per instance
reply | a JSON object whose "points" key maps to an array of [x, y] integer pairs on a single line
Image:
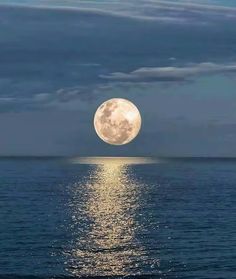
{"points": [[117, 217]]}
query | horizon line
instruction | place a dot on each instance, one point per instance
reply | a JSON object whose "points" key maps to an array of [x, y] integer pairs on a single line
{"points": [[106, 156]]}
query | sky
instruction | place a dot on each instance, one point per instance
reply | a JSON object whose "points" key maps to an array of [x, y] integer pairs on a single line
{"points": [[176, 60]]}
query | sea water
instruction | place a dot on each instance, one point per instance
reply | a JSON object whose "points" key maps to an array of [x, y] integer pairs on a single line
{"points": [[117, 217]]}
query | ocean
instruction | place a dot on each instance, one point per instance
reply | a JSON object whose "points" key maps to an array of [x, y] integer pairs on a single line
{"points": [[117, 217]]}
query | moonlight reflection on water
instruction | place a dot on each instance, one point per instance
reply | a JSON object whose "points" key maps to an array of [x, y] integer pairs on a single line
{"points": [[105, 224]]}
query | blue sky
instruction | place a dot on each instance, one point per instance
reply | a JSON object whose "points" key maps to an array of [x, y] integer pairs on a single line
{"points": [[176, 60]]}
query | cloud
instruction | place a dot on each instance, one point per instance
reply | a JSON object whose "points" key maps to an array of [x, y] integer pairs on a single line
{"points": [[142, 10], [68, 98], [60, 56], [170, 73]]}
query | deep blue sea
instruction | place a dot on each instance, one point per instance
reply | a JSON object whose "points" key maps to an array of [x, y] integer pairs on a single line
{"points": [[117, 217]]}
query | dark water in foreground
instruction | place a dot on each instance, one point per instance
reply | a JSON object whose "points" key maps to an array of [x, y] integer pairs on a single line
{"points": [[117, 217]]}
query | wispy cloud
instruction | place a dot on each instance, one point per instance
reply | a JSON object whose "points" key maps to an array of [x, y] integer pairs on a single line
{"points": [[67, 98], [145, 10], [170, 73], [83, 47]]}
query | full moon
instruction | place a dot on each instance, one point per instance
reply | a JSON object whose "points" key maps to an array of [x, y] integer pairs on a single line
{"points": [[117, 121]]}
